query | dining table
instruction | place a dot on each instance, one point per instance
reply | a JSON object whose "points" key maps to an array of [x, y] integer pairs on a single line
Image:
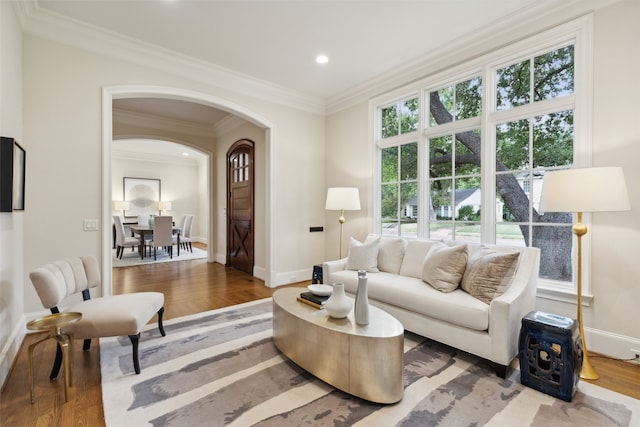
{"points": [[145, 230]]}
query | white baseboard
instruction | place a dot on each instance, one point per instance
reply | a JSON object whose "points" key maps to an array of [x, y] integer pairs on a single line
{"points": [[611, 344], [10, 350]]}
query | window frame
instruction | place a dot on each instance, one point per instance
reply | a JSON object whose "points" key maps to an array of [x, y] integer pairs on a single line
{"points": [[578, 32]]}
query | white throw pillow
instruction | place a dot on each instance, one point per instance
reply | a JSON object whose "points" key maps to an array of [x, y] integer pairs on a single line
{"points": [[414, 256], [489, 273], [390, 254], [444, 266], [363, 256]]}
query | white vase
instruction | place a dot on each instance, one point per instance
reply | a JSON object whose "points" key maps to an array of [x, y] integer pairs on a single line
{"points": [[338, 305], [362, 299]]}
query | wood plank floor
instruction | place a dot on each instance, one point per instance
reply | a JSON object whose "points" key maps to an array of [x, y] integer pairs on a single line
{"points": [[189, 287]]}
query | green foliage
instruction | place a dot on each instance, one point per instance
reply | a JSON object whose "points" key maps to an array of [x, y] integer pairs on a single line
{"points": [[466, 213]]}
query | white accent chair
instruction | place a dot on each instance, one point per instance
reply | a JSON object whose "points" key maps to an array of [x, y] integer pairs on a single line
{"points": [[122, 241], [162, 235], [109, 316]]}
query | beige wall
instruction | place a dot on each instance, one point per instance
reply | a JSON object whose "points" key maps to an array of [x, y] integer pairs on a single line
{"points": [[66, 162], [11, 224], [610, 321]]}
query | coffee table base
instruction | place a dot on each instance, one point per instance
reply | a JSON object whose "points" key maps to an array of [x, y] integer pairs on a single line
{"points": [[365, 361]]}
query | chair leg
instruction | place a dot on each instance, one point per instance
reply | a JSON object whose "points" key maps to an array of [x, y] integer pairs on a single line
{"points": [[160, 325], [57, 363], [134, 344]]}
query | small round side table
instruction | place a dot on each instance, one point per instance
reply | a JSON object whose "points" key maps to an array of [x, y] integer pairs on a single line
{"points": [[54, 324]]}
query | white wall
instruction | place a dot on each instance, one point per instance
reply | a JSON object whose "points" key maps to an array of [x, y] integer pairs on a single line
{"points": [[179, 184], [610, 322], [11, 224]]}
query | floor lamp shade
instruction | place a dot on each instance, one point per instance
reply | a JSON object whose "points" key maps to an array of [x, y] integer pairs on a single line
{"points": [[601, 189], [342, 199]]}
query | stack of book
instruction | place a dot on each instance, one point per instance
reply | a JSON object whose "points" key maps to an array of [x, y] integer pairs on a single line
{"points": [[313, 300]]}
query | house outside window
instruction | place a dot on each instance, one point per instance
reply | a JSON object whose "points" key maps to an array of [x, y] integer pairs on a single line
{"points": [[482, 144]]}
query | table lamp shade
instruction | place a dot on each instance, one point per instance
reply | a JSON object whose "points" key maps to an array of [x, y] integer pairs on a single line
{"points": [[342, 198], [120, 205], [600, 189], [164, 206]]}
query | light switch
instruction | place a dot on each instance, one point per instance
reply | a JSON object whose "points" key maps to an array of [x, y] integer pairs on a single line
{"points": [[90, 224]]}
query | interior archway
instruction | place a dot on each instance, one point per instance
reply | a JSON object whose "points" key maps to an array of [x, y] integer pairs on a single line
{"points": [[123, 92]]}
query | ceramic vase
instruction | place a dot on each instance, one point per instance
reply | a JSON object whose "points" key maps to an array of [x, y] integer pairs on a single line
{"points": [[151, 220], [338, 305], [362, 300]]}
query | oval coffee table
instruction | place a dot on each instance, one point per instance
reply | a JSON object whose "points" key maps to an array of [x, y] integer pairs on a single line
{"points": [[366, 361]]}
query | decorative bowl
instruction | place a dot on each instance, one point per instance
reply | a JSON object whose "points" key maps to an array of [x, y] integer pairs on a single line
{"points": [[320, 290]]}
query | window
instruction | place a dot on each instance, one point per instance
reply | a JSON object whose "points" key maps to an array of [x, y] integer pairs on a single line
{"points": [[399, 169], [465, 161]]}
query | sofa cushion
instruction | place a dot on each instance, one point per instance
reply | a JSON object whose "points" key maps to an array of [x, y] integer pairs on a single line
{"points": [[363, 256], [390, 254], [489, 273], [444, 266], [414, 255], [411, 294]]}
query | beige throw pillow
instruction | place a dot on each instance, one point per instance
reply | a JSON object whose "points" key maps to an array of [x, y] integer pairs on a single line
{"points": [[489, 273], [444, 266], [363, 256]]}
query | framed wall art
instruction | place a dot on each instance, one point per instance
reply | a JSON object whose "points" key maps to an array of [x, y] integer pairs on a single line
{"points": [[12, 175], [143, 195]]}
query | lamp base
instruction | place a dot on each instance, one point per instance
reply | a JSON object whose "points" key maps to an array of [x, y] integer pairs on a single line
{"points": [[587, 372]]}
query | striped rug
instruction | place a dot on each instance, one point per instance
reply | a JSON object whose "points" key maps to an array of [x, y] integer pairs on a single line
{"points": [[220, 368]]}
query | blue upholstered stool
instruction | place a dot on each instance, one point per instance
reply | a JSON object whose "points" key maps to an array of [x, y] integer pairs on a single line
{"points": [[317, 274], [550, 354]]}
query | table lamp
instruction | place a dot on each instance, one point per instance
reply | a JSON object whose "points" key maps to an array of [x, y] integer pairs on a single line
{"points": [[164, 206], [342, 199], [600, 189], [120, 205]]}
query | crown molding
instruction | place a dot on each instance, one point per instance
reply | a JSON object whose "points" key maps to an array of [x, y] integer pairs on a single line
{"points": [[544, 15], [52, 26], [228, 124]]}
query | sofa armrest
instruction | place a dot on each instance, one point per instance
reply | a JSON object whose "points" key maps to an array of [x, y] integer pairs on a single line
{"points": [[506, 311], [331, 267]]}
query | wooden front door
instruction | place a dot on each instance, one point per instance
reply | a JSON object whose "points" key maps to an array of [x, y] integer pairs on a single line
{"points": [[240, 206]]}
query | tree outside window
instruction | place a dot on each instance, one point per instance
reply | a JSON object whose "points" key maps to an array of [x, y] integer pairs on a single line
{"points": [[531, 133]]}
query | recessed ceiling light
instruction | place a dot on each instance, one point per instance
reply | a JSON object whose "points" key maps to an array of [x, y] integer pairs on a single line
{"points": [[185, 153], [322, 59]]}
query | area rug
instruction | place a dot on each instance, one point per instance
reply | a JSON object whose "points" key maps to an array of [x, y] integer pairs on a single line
{"points": [[220, 368], [130, 258]]}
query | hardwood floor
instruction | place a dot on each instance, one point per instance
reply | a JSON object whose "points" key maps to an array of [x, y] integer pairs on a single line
{"points": [[189, 287]]}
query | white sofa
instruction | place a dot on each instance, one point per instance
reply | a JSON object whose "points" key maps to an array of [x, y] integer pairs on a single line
{"points": [[455, 317]]}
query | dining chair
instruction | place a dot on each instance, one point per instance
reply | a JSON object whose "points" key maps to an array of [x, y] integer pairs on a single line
{"points": [[162, 235], [185, 234], [122, 241]]}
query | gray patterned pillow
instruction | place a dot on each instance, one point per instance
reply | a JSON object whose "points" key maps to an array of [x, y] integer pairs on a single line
{"points": [[489, 273]]}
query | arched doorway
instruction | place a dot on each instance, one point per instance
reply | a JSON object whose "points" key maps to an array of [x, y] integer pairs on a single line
{"points": [[266, 272]]}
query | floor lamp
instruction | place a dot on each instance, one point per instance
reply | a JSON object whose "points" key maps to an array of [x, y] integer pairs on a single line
{"points": [[342, 199], [601, 189]]}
